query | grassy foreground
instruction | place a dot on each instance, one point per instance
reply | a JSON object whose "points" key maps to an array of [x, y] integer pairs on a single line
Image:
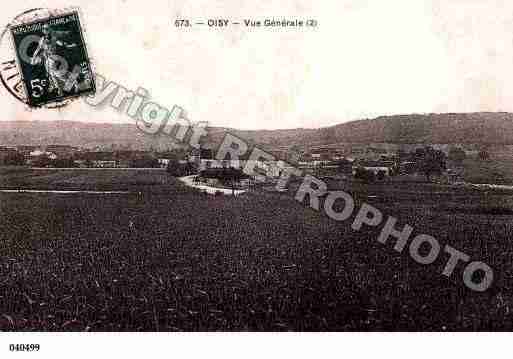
{"points": [[167, 258]]}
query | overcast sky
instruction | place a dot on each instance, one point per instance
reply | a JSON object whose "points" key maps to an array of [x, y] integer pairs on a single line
{"points": [[367, 58]]}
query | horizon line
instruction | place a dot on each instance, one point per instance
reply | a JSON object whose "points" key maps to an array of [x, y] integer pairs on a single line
{"points": [[427, 114]]}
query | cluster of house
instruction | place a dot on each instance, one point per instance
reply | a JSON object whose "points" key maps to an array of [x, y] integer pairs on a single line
{"points": [[346, 158], [380, 158], [318, 162], [70, 156], [8, 155], [374, 151], [384, 158], [207, 161]]}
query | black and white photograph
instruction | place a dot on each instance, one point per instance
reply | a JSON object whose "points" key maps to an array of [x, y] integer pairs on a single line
{"points": [[288, 178]]}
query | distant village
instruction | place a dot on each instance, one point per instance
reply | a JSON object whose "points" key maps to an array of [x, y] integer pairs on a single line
{"points": [[380, 160]]}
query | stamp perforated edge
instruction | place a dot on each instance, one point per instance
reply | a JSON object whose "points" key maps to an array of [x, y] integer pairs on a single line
{"points": [[50, 14]]}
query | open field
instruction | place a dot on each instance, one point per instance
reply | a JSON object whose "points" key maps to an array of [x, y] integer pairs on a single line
{"points": [[84, 179], [495, 171], [167, 258]]}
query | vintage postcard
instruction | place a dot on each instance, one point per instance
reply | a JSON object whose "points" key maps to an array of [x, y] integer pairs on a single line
{"points": [[273, 178]]}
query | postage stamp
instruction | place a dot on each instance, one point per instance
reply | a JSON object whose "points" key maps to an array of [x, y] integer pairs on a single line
{"points": [[52, 59]]}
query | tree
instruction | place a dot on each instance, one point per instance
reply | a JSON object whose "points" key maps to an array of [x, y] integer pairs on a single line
{"points": [[433, 162], [177, 169], [14, 159], [145, 162], [42, 161], [364, 175], [457, 154], [63, 163], [173, 168], [345, 166]]}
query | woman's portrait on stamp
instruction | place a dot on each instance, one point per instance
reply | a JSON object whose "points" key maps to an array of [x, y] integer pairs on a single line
{"points": [[46, 53], [53, 59]]}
